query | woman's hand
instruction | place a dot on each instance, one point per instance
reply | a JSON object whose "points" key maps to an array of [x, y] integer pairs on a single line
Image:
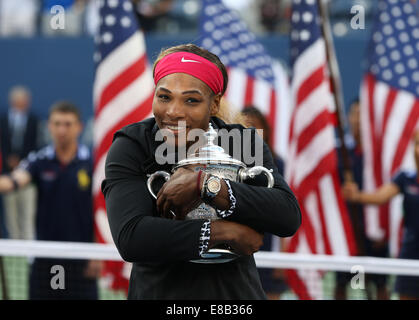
{"points": [[179, 194], [241, 238]]}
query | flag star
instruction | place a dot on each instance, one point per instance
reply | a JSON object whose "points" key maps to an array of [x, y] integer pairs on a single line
{"points": [[391, 42], [307, 17], [225, 59], [125, 22], [408, 50], [387, 30], [395, 55], [407, 8], [384, 17], [127, 6], [113, 3], [415, 76], [96, 57], [211, 10], [400, 24], [110, 20], [387, 74], [375, 69], [404, 81], [399, 68], [295, 16], [107, 37], [380, 49], [305, 35], [412, 63], [383, 61], [412, 21], [404, 37], [377, 37], [207, 42], [396, 12]]}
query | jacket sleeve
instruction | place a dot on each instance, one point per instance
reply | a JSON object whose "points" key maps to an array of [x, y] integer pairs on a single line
{"points": [[273, 210], [139, 234]]}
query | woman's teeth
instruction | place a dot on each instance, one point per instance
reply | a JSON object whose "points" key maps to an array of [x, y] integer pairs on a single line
{"points": [[176, 128]]}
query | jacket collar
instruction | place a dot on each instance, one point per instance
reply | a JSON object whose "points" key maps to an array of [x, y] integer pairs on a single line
{"points": [[150, 165]]}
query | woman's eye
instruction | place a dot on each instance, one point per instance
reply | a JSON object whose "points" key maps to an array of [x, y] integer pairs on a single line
{"points": [[163, 97], [192, 100]]}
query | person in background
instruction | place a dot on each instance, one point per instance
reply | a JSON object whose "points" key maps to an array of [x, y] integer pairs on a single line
{"points": [[18, 135], [366, 246], [62, 23], [406, 183], [62, 173], [272, 279], [18, 18], [150, 12]]}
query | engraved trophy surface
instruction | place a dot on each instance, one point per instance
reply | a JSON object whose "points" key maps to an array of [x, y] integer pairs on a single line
{"points": [[213, 160]]}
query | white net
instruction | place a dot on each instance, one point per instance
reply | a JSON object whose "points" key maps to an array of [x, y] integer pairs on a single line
{"points": [[318, 273]]}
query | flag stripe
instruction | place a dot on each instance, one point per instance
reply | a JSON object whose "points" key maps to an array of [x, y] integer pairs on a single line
{"points": [[137, 93], [122, 94], [324, 229], [319, 123], [120, 59], [120, 83]]}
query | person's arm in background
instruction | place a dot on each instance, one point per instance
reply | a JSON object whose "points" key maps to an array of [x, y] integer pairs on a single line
{"points": [[381, 196], [16, 179]]}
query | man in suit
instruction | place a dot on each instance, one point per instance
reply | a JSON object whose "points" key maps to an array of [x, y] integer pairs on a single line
{"points": [[18, 134]]}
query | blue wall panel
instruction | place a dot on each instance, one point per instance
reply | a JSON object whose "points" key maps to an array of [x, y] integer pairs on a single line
{"points": [[62, 68]]}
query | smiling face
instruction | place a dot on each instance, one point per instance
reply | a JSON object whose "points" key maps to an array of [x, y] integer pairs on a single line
{"points": [[181, 103]]}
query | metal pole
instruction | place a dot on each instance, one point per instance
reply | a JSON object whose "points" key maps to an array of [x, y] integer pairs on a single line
{"points": [[338, 98]]}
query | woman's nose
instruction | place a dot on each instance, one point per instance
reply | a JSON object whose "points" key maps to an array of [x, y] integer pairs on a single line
{"points": [[175, 111]]}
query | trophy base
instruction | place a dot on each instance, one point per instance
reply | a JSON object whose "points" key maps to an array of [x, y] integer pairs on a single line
{"points": [[216, 256]]}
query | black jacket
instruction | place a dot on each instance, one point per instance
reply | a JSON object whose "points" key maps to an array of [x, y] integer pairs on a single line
{"points": [[161, 248], [29, 139]]}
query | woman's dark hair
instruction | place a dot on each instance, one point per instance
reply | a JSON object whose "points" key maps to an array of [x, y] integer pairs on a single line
{"points": [[65, 107], [192, 48]]}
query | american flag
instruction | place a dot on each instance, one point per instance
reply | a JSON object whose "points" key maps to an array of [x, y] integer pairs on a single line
{"points": [[390, 109], [122, 94], [254, 77], [311, 169]]}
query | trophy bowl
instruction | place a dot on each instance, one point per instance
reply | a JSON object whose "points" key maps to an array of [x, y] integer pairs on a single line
{"points": [[212, 159]]}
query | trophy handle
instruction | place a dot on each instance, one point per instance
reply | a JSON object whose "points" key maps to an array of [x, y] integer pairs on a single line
{"points": [[254, 171], [151, 178]]}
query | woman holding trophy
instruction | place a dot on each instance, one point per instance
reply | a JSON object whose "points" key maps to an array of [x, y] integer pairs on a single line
{"points": [[194, 237]]}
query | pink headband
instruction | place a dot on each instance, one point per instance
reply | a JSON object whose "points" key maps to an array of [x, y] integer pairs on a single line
{"points": [[192, 64]]}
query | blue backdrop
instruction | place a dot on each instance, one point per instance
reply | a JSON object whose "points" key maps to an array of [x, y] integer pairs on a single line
{"points": [[62, 68]]}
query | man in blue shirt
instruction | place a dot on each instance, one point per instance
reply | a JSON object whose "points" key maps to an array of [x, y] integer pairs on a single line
{"points": [[62, 173]]}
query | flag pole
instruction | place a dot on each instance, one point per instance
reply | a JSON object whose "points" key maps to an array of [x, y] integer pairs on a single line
{"points": [[339, 103]]}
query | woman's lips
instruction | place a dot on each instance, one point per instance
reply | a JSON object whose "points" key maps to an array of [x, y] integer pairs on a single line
{"points": [[176, 129]]}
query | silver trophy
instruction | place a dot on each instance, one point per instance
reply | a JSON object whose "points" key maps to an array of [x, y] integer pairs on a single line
{"points": [[213, 160]]}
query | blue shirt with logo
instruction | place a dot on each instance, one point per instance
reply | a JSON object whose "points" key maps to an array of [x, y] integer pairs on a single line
{"points": [[409, 187], [64, 206]]}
